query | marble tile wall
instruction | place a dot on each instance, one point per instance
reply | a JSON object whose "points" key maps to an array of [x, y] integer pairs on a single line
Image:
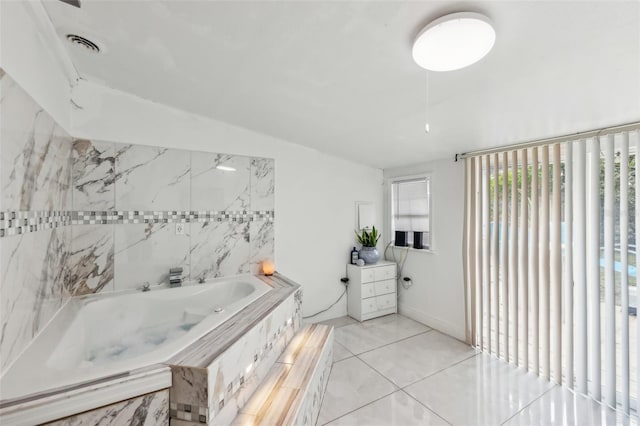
{"points": [[143, 191], [80, 216], [35, 180]]}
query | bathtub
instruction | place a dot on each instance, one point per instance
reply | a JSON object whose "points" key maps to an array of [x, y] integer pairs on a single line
{"points": [[104, 335]]}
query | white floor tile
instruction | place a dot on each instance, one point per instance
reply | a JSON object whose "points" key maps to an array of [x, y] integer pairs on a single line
{"points": [[352, 384], [560, 406], [395, 409], [340, 352], [479, 391], [417, 357], [363, 337]]}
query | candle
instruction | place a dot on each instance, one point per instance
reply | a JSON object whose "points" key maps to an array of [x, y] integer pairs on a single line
{"points": [[268, 268]]}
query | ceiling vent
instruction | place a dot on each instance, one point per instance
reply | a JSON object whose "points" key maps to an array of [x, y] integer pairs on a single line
{"points": [[75, 3], [83, 42]]}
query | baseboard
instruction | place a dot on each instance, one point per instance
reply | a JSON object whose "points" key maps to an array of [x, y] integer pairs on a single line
{"points": [[436, 323]]}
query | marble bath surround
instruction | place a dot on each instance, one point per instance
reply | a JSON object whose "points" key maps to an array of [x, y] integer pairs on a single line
{"points": [[149, 410], [215, 378], [209, 380], [79, 217], [145, 328]]}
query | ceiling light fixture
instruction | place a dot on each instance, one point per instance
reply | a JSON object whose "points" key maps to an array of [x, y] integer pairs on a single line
{"points": [[454, 41], [226, 168]]}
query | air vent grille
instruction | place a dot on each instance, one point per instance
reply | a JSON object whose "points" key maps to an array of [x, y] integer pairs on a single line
{"points": [[83, 42], [75, 3]]}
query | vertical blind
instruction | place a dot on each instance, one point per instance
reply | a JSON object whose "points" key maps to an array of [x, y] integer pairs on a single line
{"points": [[551, 237]]}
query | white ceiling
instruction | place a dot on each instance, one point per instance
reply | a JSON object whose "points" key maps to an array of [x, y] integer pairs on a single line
{"points": [[338, 76]]}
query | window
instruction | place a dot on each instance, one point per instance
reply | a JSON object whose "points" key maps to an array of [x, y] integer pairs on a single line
{"points": [[411, 208]]}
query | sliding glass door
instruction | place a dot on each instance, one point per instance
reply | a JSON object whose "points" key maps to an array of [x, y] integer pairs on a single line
{"points": [[551, 261]]}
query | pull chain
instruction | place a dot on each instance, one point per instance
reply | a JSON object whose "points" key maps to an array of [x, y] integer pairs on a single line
{"points": [[426, 126]]}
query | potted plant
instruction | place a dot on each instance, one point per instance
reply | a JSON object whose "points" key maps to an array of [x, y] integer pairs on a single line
{"points": [[368, 240]]}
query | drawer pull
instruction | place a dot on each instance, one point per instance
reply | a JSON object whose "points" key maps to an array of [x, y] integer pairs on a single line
{"points": [[385, 272], [385, 287], [368, 275]]}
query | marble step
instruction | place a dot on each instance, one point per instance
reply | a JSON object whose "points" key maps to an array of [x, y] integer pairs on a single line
{"points": [[292, 392]]}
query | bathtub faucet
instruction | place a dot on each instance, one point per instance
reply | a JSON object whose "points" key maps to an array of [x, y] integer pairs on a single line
{"points": [[175, 277]]}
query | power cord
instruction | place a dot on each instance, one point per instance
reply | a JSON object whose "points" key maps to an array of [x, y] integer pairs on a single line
{"points": [[330, 306], [345, 281], [406, 282]]}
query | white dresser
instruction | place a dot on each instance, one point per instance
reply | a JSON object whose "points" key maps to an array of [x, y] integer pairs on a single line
{"points": [[372, 290]]}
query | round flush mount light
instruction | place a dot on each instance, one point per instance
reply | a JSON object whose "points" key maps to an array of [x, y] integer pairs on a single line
{"points": [[454, 41]]}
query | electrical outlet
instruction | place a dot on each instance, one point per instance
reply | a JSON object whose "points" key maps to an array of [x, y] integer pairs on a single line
{"points": [[179, 228]]}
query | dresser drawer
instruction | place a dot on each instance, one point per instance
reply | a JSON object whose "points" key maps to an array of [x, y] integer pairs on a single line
{"points": [[384, 273], [386, 302], [367, 275], [369, 305], [384, 287], [368, 290]]}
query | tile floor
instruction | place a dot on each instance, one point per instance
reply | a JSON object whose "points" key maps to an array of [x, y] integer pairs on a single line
{"points": [[395, 371]]}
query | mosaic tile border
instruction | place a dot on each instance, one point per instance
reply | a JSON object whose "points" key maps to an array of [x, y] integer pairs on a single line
{"points": [[22, 222], [188, 412], [139, 216]]}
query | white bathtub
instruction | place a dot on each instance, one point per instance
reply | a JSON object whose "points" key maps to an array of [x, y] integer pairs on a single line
{"points": [[103, 335]]}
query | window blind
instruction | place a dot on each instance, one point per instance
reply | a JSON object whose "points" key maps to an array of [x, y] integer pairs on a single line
{"points": [[551, 262], [410, 207]]}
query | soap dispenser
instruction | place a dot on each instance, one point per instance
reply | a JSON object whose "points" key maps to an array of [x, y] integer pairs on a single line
{"points": [[354, 256]]}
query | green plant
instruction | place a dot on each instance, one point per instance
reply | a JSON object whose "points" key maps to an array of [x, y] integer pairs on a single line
{"points": [[368, 239]]}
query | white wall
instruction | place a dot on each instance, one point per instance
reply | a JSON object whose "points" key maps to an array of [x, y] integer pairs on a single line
{"points": [[437, 295], [315, 193], [30, 54]]}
